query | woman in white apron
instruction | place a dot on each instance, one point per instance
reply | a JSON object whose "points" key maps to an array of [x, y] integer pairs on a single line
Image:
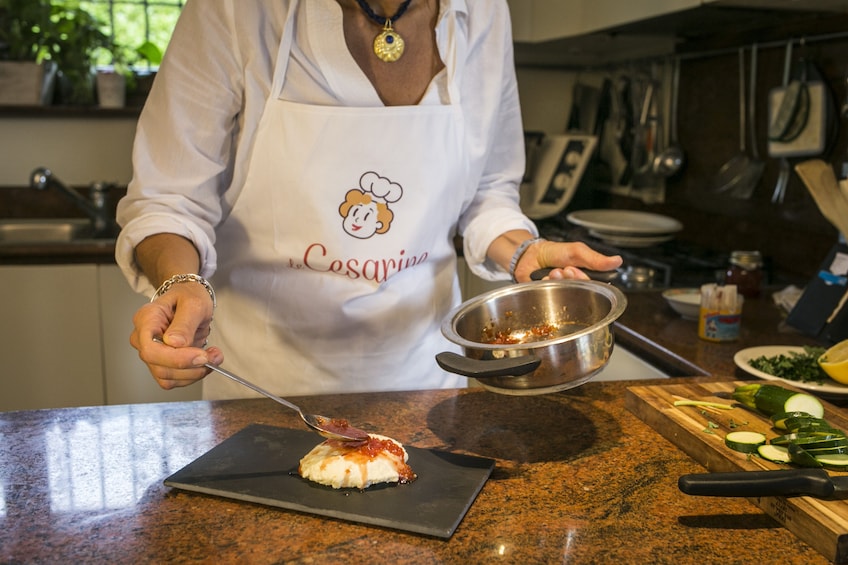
{"points": [[307, 170]]}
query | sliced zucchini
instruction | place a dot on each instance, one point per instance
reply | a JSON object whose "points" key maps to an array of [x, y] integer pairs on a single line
{"points": [[772, 399], [806, 437], [775, 453], [795, 422], [817, 430], [778, 420], [837, 461], [815, 452], [830, 443], [745, 442], [800, 457]]}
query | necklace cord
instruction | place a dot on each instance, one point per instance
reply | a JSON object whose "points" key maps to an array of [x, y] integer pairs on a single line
{"points": [[382, 19]]}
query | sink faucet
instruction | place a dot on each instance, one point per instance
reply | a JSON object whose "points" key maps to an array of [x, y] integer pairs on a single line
{"points": [[95, 207]]}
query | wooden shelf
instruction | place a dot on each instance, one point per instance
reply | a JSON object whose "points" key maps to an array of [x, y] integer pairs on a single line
{"points": [[51, 112]]}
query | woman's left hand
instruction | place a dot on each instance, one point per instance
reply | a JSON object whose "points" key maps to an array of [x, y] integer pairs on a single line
{"points": [[565, 259]]}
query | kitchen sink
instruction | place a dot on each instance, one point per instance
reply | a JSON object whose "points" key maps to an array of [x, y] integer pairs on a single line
{"points": [[50, 230], [626, 366]]}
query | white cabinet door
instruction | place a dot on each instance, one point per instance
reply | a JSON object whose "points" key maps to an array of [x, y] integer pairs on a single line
{"points": [[49, 337], [127, 379]]}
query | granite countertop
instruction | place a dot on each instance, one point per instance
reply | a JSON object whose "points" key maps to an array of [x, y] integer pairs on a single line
{"points": [[578, 479]]}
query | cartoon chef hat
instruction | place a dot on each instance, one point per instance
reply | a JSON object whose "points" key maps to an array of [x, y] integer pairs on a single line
{"points": [[382, 189]]}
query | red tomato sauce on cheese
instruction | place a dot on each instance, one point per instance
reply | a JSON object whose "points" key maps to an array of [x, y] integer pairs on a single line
{"points": [[361, 453]]}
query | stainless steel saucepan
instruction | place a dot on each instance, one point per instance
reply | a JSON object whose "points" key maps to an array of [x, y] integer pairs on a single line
{"points": [[535, 337]]}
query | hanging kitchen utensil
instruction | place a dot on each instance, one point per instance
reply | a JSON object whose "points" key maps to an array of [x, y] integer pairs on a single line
{"points": [[647, 138], [670, 160], [799, 114], [642, 156], [734, 170], [627, 125], [751, 178], [611, 132], [783, 175]]}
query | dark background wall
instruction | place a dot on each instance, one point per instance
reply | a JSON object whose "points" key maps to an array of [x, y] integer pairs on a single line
{"points": [[793, 235]]}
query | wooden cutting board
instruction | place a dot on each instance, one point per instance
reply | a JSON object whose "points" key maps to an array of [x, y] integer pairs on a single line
{"points": [[700, 433]]}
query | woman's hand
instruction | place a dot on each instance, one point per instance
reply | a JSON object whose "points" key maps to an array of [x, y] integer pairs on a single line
{"points": [[182, 318], [566, 260]]}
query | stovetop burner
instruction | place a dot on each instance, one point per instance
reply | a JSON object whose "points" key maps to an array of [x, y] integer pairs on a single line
{"points": [[665, 265]]}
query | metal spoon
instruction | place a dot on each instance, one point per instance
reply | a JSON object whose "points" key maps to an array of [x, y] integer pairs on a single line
{"points": [[330, 428]]}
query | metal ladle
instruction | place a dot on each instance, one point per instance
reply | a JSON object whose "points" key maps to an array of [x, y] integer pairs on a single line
{"points": [[670, 160], [330, 428]]}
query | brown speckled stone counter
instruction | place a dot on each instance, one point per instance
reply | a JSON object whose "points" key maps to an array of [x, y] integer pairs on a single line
{"points": [[578, 479]]}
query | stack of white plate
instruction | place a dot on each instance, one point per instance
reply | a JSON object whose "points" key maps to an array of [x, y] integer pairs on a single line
{"points": [[627, 228]]}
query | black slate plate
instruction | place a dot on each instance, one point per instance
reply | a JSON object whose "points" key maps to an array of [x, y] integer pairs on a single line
{"points": [[259, 464]]}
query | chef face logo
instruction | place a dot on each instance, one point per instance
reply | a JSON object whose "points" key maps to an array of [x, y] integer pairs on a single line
{"points": [[365, 210]]}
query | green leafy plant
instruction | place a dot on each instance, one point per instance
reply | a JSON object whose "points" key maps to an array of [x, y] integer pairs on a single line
{"points": [[150, 52], [76, 37], [55, 30], [25, 30]]}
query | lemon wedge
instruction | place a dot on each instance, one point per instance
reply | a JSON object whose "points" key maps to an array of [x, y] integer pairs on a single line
{"points": [[834, 362]]}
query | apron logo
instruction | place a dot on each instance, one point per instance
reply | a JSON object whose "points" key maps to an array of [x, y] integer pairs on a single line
{"points": [[365, 210]]}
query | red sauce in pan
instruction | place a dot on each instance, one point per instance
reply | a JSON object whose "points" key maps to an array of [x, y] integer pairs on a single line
{"points": [[508, 337]]}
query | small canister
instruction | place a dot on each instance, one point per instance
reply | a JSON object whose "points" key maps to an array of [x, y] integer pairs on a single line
{"points": [[746, 272], [720, 314]]}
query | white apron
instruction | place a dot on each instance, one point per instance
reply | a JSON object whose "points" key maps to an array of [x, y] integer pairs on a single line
{"points": [[336, 264]]}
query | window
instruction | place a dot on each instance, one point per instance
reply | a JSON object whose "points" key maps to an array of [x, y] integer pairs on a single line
{"points": [[132, 23]]}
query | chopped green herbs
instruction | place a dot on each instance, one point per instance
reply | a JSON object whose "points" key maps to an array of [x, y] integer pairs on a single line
{"points": [[793, 366], [711, 427]]}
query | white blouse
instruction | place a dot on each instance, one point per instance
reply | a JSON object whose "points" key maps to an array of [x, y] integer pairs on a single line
{"points": [[196, 131]]}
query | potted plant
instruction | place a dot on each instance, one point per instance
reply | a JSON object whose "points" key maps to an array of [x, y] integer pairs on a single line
{"points": [[75, 38], [26, 74]]}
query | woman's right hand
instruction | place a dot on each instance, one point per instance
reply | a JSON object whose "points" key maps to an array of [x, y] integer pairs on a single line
{"points": [[182, 319]]}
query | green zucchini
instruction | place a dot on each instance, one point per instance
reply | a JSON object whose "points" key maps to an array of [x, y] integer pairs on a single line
{"points": [[745, 442], [774, 453], [815, 430], [801, 457], [836, 462], [811, 441], [794, 423], [772, 399], [815, 452], [779, 420]]}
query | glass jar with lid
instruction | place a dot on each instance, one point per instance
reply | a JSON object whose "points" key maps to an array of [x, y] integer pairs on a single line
{"points": [[745, 271]]}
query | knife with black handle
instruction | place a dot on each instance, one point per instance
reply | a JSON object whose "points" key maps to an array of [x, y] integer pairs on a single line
{"points": [[793, 482]]}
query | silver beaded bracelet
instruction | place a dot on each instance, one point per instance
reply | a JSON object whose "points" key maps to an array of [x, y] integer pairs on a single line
{"points": [[519, 253], [166, 286]]}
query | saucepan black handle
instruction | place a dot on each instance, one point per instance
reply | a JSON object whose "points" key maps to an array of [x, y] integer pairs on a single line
{"points": [[483, 368], [603, 276], [807, 482]]}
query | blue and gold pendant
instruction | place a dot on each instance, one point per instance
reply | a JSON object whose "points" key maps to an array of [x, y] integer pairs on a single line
{"points": [[388, 46]]}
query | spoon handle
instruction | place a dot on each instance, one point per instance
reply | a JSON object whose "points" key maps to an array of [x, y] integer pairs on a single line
{"points": [[246, 383], [252, 386]]}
